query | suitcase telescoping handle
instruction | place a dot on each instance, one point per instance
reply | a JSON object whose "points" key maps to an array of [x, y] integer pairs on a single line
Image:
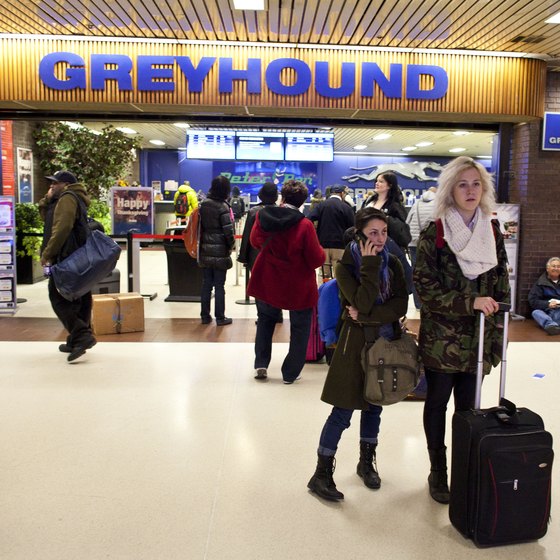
{"points": [[503, 308]]}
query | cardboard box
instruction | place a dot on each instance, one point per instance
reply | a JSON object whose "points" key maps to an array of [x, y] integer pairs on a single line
{"points": [[117, 313]]}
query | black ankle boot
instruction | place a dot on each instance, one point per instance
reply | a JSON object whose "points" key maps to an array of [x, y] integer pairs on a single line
{"points": [[439, 490], [322, 482], [367, 467]]}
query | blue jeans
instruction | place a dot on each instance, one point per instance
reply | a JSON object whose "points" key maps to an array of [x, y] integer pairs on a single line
{"points": [[300, 327], [339, 420], [213, 278], [551, 317]]}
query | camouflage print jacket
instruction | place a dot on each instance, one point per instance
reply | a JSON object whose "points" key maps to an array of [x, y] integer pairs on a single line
{"points": [[448, 323]]}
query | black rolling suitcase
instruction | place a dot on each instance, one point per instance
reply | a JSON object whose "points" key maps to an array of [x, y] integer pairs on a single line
{"points": [[501, 466]]}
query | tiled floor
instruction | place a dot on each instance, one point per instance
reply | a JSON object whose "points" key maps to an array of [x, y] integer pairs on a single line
{"points": [[162, 451]]}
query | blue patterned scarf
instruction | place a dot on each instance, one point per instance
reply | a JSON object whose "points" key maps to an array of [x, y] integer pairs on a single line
{"points": [[384, 287]]}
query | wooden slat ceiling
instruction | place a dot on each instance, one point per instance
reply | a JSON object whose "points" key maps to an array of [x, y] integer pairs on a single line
{"points": [[488, 25]]}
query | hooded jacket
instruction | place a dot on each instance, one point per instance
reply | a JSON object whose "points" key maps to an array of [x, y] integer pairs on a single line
{"points": [[63, 231], [420, 215], [284, 272], [333, 218]]}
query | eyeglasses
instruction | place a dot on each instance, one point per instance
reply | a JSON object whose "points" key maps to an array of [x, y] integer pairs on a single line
{"points": [[553, 266]]}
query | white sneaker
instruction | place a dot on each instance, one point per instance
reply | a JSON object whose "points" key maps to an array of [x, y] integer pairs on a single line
{"points": [[260, 373], [290, 382]]}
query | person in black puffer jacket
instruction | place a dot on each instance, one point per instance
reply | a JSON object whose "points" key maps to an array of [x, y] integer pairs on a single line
{"points": [[216, 244]]}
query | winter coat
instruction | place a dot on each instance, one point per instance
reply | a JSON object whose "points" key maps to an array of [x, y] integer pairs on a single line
{"points": [[344, 385], [216, 234], [420, 215], [448, 339], [542, 292], [284, 272], [63, 234], [247, 253], [192, 199], [333, 218]]}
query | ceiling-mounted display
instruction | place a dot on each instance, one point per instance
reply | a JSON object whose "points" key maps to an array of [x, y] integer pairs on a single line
{"points": [[309, 146], [210, 144], [259, 146]]}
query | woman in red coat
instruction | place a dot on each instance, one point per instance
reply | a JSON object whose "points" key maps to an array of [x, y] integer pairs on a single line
{"points": [[283, 277]]}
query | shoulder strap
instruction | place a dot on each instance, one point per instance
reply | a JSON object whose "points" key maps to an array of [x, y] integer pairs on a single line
{"points": [[81, 215], [440, 241]]}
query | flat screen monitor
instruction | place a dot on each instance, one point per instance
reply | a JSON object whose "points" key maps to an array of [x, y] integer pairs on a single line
{"points": [[260, 146], [309, 146], [211, 144]]}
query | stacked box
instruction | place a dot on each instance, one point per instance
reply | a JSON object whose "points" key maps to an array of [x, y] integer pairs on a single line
{"points": [[111, 284], [117, 313]]}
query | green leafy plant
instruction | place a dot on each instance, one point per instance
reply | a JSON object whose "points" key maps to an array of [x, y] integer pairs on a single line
{"points": [[28, 220], [98, 210], [97, 160]]}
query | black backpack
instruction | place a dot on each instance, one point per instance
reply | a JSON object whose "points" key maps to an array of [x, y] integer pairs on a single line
{"points": [[238, 207], [182, 204]]}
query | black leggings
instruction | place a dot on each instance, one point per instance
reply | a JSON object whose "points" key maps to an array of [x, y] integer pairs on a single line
{"points": [[440, 387]]}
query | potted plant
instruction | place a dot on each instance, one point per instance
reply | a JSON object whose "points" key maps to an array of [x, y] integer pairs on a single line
{"points": [[29, 230]]}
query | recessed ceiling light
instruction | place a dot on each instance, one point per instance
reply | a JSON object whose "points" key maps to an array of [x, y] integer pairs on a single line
{"points": [[182, 125], [256, 5], [382, 136], [360, 147], [457, 150], [157, 142], [126, 130], [461, 132], [554, 19], [424, 144], [409, 148]]}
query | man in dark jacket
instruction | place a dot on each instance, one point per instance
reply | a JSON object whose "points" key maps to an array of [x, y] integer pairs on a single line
{"points": [[333, 218], [544, 298], [63, 234]]}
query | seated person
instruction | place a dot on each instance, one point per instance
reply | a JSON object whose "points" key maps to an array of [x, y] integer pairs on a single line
{"points": [[544, 298]]}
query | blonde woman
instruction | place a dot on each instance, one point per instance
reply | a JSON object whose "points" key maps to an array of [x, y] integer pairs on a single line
{"points": [[461, 269]]}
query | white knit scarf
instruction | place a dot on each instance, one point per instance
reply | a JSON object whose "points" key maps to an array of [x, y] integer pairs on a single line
{"points": [[475, 250]]}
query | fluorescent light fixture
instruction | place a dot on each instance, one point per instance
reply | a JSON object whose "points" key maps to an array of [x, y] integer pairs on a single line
{"points": [[461, 132], [457, 150], [182, 125], [126, 130], [554, 19], [382, 136], [257, 5], [360, 147], [157, 142], [368, 154], [409, 148], [424, 144]]}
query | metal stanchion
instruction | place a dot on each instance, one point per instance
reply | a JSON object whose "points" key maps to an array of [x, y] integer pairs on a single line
{"points": [[247, 300]]}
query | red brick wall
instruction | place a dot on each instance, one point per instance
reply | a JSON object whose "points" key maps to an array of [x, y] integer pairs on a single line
{"points": [[536, 187]]}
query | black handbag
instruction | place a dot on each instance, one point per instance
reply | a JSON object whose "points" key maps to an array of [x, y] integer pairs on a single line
{"points": [[76, 275], [392, 367]]}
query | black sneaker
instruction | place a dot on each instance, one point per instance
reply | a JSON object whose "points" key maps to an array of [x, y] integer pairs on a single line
{"points": [[65, 348], [206, 320], [76, 353], [552, 329], [224, 321]]}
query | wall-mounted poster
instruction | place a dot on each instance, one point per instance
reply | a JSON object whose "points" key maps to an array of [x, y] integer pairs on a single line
{"points": [[132, 210], [25, 175]]}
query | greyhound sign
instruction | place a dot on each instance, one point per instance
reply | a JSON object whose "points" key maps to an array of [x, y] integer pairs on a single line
{"points": [[411, 170]]}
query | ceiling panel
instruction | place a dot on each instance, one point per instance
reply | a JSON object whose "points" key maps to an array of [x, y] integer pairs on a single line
{"points": [[497, 25]]}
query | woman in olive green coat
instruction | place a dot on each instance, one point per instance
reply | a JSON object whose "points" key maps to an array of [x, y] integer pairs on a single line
{"points": [[373, 292]]}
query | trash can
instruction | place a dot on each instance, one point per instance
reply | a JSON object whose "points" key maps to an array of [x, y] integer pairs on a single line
{"points": [[183, 273]]}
